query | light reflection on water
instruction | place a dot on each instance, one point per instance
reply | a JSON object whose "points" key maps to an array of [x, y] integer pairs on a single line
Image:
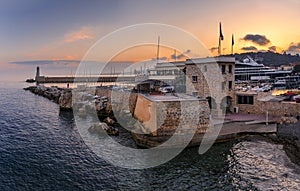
{"points": [[263, 165]]}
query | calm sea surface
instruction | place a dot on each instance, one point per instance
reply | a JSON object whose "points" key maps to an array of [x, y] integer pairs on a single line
{"points": [[41, 149]]}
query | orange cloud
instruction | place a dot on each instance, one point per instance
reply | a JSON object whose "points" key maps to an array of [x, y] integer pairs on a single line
{"points": [[83, 34], [65, 58]]}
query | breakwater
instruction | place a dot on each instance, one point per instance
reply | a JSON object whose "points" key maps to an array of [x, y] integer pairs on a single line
{"points": [[69, 79], [87, 99], [61, 96]]}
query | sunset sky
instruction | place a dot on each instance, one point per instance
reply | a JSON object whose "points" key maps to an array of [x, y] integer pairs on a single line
{"points": [[57, 34]]}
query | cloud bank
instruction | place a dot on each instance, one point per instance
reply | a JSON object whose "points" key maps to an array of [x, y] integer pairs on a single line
{"points": [[294, 47], [47, 62], [249, 48], [257, 39]]}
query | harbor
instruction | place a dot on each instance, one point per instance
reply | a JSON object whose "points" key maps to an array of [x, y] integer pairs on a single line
{"points": [[235, 125], [142, 95], [169, 88]]}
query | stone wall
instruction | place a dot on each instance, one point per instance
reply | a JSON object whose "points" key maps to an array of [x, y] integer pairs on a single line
{"points": [[162, 118], [273, 108], [186, 114]]}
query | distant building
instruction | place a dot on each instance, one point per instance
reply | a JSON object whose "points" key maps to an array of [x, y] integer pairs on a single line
{"points": [[171, 73], [249, 70], [286, 67]]}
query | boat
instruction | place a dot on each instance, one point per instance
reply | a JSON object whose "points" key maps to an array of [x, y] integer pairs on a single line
{"points": [[249, 70]]}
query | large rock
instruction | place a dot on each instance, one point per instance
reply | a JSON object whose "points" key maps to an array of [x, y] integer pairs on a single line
{"points": [[101, 128], [109, 121], [101, 103], [65, 100], [287, 120]]}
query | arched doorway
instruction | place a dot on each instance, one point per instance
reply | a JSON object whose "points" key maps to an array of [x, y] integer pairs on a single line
{"points": [[212, 103], [226, 104]]}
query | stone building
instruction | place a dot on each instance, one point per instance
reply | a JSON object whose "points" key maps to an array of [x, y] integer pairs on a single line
{"points": [[263, 103], [212, 78]]}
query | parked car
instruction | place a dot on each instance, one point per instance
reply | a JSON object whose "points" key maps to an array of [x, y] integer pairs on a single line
{"points": [[166, 89]]}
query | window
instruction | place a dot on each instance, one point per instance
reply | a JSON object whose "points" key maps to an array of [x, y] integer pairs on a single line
{"points": [[230, 69], [195, 94], [223, 86], [245, 100], [205, 68], [230, 85], [223, 69], [194, 78]]}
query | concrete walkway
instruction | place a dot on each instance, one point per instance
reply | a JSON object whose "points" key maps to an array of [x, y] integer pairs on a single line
{"points": [[250, 117]]}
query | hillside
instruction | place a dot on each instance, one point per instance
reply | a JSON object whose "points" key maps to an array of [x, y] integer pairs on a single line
{"points": [[270, 58]]}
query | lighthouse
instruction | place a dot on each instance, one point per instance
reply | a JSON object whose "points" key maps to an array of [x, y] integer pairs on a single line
{"points": [[37, 72], [38, 77]]}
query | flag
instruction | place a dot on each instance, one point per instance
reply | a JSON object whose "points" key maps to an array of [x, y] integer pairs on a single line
{"points": [[221, 35], [232, 43]]}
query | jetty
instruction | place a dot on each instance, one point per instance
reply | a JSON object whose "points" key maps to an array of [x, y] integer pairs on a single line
{"points": [[70, 79], [83, 79]]}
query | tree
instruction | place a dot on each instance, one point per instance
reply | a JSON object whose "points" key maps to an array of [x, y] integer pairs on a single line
{"points": [[296, 68]]}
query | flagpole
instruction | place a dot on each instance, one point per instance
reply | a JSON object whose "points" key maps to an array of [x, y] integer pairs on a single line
{"points": [[157, 55], [219, 46], [232, 44]]}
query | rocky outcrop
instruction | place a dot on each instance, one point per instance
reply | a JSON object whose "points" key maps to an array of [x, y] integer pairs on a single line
{"points": [[109, 121], [101, 128], [51, 93], [287, 120], [65, 100], [103, 106]]}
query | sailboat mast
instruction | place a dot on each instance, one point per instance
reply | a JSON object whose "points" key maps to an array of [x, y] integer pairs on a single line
{"points": [[157, 55]]}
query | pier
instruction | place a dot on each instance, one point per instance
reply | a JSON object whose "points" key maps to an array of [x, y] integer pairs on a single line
{"points": [[69, 79], [83, 79]]}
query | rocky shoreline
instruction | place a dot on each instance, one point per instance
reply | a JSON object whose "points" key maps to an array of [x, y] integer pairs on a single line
{"points": [[63, 97]]}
